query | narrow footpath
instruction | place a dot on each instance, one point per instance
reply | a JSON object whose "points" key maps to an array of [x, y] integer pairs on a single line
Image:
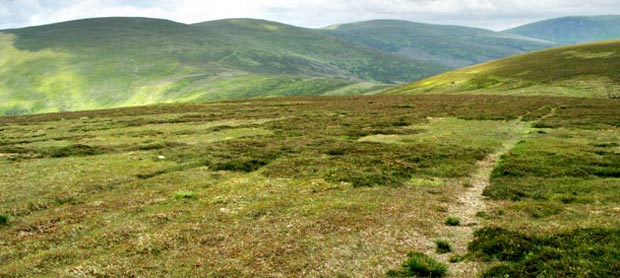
{"points": [[470, 202]]}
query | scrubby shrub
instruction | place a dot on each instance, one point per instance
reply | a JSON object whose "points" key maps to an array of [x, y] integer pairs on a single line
{"points": [[456, 258], [420, 265], [240, 165], [500, 244], [570, 254], [75, 150], [335, 151], [4, 219], [366, 179], [453, 221], [443, 246]]}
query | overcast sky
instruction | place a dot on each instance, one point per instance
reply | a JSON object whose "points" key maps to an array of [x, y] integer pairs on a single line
{"points": [[490, 14]]}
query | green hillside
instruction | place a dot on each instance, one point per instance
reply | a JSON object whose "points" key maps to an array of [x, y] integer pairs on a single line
{"points": [[453, 46], [317, 53], [113, 62], [587, 70], [572, 30]]}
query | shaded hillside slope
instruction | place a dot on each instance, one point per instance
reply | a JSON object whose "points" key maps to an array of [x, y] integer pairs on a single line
{"points": [[572, 30], [453, 46], [587, 70]]}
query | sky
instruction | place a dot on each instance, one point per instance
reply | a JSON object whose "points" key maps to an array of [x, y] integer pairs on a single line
{"points": [[489, 14]]}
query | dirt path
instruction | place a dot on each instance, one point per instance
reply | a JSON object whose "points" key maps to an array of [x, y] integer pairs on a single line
{"points": [[470, 202]]}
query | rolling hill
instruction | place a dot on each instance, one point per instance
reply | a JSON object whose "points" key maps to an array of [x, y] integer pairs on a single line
{"points": [[115, 62], [587, 70], [572, 30], [453, 46]]}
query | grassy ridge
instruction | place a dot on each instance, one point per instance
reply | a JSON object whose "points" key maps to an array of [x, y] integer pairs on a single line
{"points": [[452, 46], [112, 62], [572, 30], [588, 70]]}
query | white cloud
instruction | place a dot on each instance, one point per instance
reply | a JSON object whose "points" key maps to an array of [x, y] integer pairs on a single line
{"points": [[494, 14]]}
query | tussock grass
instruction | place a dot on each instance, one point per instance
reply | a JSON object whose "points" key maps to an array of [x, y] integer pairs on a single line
{"points": [[453, 221], [456, 258], [443, 246], [420, 265]]}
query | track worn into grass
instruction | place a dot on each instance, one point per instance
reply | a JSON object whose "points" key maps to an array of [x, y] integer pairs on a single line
{"points": [[470, 202]]}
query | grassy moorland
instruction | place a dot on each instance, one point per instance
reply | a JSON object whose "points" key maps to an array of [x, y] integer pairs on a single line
{"points": [[587, 70], [452, 46], [116, 62], [556, 204], [310, 187]]}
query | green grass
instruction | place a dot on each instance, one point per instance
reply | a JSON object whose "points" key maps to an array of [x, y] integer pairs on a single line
{"points": [[316, 186], [120, 62], [588, 70], [590, 252], [185, 195], [556, 193], [560, 165]]}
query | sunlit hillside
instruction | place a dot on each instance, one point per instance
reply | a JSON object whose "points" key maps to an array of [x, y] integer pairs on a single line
{"points": [[587, 70], [112, 62]]}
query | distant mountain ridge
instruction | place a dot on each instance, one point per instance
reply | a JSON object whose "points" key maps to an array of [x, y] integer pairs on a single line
{"points": [[453, 46], [122, 61], [573, 29]]}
